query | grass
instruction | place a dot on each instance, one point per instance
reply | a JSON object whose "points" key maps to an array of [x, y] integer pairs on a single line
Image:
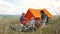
{"points": [[6, 21]]}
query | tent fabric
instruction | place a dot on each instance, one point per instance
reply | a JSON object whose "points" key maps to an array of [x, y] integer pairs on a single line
{"points": [[36, 13], [47, 13]]}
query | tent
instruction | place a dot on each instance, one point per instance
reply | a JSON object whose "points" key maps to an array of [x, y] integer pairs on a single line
{"points": [[36, 13]]}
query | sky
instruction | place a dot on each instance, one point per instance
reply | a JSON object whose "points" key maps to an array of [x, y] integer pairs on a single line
{"points": [[17, 7]]}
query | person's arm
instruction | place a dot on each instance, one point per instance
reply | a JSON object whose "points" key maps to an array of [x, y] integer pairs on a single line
{"points": [[46, 18], [20, 18]]}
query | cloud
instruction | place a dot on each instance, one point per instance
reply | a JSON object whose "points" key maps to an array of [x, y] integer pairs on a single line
{"points": [[7, 8], [15, 2], [16, 7]]}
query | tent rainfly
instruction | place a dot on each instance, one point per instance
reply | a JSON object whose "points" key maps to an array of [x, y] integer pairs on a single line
{"points": [[36, 13]]}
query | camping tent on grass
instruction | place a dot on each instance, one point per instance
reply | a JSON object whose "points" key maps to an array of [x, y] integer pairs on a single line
{"points": [[36, 13]]}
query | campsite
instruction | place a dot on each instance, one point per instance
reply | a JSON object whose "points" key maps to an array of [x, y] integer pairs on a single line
{"points": [[53, 27], [29, 16]]}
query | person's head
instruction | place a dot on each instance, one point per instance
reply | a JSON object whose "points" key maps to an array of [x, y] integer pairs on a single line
{"points": [[32, 18], [42, 12], [23, 14]]}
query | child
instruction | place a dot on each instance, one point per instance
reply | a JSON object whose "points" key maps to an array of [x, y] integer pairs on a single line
{"points": [[33, 23]]}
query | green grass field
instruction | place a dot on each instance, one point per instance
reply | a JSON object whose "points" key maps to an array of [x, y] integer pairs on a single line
{"points": [[8, 20]]}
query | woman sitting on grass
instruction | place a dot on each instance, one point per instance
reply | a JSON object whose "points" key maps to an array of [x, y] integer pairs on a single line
{"points": [[23, 19]]}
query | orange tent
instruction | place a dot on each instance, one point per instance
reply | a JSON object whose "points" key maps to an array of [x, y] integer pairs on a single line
{"points": [[36, 13]]}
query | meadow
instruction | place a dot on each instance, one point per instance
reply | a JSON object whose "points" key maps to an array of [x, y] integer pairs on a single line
{"points": [[9, 20]]}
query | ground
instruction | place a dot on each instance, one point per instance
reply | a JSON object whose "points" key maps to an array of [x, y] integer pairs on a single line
{"points": [[53, 27]]}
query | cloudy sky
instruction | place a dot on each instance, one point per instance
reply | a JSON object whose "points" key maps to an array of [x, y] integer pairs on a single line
{"points": [[17, 7]]}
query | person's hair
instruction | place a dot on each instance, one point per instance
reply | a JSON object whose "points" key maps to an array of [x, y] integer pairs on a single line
{"points": [[42, 11], [23, 13]]}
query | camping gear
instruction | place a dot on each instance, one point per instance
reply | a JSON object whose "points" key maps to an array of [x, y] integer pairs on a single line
{"points": [[37, 23], [36, 13], [17, 27], [33, 13]]}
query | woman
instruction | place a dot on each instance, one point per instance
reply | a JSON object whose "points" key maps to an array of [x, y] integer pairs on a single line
{"points": [[44, 17], [23, 19]]}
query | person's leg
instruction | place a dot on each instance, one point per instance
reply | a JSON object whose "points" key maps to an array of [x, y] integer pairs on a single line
{"points": [[43, 25], [47, 21], [34, 27]]}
